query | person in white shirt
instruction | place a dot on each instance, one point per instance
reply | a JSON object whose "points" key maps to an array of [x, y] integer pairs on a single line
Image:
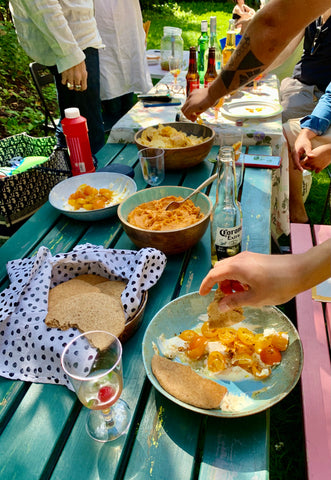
{"points": [[63, 35], [123, 63]]}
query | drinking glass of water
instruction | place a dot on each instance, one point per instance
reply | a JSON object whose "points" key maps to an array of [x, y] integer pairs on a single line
{"points": [[152, 165]]}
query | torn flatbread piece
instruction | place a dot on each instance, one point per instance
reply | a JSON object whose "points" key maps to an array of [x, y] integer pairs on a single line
{"points": [[88, 311], [219, 319]]}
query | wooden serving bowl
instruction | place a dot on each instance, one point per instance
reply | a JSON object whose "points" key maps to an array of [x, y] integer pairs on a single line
{"points": [[185, 157], [134, 322], [169, 242]]}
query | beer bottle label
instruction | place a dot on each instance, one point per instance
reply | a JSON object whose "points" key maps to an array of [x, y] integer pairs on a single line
{"points": [[228, 241], [192, 85], [208, 81]]}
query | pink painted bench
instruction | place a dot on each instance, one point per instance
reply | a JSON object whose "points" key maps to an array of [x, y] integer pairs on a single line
{"points": [[314, 326]]}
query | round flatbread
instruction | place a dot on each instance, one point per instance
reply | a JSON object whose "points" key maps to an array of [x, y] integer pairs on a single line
{"points": [[185, 384], [112, 287], [92, 279], [68, 289]]}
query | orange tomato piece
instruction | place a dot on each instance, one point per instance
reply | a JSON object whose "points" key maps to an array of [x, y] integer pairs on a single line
{"points": [[270, 355], [87, 206], [242, 348], [216, 362], [98, 203], [108, 194], [279, 341], [243, 360], [246, 336], [227, 335], [196, 347], [188, 335], [261, 342], [208, 331]]}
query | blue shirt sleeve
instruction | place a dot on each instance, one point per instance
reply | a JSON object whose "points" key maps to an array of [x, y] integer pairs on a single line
{"points": [[320, 118]]}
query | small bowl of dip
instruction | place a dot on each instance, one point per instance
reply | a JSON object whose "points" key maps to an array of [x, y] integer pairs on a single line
{"points": [[147, 224]]}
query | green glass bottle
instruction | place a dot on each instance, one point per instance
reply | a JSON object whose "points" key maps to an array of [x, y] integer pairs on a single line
{"points": [[203, 44]]}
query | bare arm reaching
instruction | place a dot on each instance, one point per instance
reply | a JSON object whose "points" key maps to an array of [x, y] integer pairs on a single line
{"points": [[269, 279], [267, 35]]}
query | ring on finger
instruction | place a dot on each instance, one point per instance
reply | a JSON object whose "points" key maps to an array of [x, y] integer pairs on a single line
{"points": [[78, 87], [70, 85]]}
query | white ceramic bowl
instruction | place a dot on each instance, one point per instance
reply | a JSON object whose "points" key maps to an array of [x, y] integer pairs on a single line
{"points": [[122, 184]]}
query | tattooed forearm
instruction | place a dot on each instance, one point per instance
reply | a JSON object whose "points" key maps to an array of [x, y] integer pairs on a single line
{"points": [[242, 67]]}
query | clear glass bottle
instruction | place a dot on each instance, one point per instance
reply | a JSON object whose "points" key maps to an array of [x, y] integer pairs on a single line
{"points": [[203, 43], [230, 44], [192, 76], [213, 42], [172, 44], [226, 218], [211, 73]]}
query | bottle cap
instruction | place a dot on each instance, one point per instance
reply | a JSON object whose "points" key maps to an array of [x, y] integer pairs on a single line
{"points": [[212, 24], [204, 26], [72, 112]]}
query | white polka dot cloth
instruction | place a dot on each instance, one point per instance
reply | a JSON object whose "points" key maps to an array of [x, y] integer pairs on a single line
{"points": [[31, 351]]}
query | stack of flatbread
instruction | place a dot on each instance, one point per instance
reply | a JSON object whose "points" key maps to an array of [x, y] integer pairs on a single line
{"points": [[87, 302], [182, 381]]}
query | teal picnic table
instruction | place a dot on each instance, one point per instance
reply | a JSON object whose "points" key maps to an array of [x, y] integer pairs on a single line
{"points": [[42, 426]]}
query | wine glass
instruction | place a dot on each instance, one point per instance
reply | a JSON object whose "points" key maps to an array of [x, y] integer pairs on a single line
{"points": [[93, 363], [175, 67]]}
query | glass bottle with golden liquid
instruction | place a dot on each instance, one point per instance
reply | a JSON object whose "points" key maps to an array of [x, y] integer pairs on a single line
{"points": [[192, 76], [211, 73], [230, 44]]}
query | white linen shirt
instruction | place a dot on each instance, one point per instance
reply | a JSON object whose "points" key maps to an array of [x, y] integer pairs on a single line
{"points": [[123, 63], [55, 32]]}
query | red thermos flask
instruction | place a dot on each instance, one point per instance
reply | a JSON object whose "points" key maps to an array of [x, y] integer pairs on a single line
{"points": [[75, 130]]}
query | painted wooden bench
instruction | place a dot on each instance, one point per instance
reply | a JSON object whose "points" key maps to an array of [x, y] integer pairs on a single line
{"points": [[313, 322]]}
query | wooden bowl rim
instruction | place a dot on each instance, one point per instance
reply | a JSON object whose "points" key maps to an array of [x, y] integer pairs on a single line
{"points": [[207, 139]]}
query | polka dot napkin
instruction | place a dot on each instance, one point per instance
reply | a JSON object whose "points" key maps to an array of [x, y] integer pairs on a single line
{"points": [[31, 351]]}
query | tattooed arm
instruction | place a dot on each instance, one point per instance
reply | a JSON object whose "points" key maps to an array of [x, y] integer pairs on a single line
{"points": [[267, 35]]}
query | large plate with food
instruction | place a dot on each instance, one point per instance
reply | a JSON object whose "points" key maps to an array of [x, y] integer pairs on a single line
{"points": [[234, 391], [251, 109]]}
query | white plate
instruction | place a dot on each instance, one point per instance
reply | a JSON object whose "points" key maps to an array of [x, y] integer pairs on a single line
{"points": [[123, 185], [183, 313], [251, 109]]}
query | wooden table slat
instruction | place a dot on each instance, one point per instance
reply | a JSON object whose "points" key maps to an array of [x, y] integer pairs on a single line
{"points": [[34, 430], [225, 457]]}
